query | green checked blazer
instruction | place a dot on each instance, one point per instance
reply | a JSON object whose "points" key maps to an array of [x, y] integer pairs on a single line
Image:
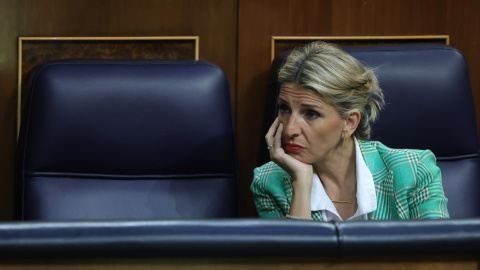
{"points": [[408, 185]]}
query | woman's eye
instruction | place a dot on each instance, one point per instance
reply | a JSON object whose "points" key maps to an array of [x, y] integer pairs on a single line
{"points": [[284, 108], [312, 114]]}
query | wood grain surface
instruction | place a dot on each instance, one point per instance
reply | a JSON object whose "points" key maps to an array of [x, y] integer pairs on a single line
{"points": [[338, 263]]}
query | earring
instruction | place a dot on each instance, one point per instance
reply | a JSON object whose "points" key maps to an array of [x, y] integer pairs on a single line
{"points": [[343, 144]]}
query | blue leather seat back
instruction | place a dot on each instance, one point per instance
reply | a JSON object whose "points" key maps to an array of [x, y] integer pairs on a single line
{"points": [[128, 140], [429, 105]]}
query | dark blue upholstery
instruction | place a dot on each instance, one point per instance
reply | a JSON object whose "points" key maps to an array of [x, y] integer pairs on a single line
{"points": [[429, 105], [455, 236], [128, 140], [237, 238], [208, 238]]}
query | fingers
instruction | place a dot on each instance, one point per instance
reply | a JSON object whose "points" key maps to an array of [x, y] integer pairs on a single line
{"points": [[277, 142], [269, 138]]}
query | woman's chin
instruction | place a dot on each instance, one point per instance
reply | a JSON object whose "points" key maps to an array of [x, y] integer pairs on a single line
{"points": [[298, 157]]}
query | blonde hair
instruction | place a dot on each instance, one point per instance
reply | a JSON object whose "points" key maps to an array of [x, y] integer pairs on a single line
{"points": [[340, 78]]}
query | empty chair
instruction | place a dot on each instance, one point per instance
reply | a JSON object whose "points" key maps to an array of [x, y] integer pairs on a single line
{"points": [[127, 140]]}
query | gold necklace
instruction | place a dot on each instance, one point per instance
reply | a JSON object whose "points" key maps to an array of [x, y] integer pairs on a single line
{"points": [[335, 201], [339, 201]]}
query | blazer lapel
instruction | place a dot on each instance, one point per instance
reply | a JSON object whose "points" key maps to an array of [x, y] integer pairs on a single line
{"points": [[379, 171], [374, 161]]}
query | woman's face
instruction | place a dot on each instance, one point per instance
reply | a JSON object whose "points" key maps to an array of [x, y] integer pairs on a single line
{"points": [[312, 128]]}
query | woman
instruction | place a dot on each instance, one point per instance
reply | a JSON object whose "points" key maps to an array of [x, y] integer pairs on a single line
{"points": [[327, 169]]}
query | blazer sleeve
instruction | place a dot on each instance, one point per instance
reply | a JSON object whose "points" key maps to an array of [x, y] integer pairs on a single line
{"points": [[265, 202], [427, 199]]}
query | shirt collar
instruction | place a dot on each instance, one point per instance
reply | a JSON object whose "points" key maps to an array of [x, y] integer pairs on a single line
{"points": [[366, 196]]}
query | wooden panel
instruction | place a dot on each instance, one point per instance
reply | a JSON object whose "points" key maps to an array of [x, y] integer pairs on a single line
{"points": [[281, 44], [340, 263], [8, 78], [214, 21], [389, 17], [463, 25], [352, 17]]}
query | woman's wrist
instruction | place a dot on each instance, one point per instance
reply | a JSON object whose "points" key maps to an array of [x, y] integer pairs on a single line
{"points": [[294, 217], [300, 205], [303, 173], [303, 184]]}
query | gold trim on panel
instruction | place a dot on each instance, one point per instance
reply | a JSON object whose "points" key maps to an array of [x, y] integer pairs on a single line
{"points": [[19, 87], [446, 38], [197, 48], [21, 40]]}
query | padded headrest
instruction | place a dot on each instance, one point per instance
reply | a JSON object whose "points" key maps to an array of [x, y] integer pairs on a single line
{"points": [[428, 96], [79, 108]]}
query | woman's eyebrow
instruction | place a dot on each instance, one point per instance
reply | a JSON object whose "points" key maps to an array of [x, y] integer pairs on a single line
{"points": [[311, 105], [282, 100]]}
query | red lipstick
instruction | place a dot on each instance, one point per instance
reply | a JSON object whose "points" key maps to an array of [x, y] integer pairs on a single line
{"points": [[293, 147]]}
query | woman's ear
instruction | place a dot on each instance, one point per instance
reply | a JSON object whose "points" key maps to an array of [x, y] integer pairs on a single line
{"points": [[351, 123]]}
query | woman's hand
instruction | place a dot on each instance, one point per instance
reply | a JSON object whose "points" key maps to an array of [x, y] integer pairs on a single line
{"points": [[301, 173], [292, 166]]}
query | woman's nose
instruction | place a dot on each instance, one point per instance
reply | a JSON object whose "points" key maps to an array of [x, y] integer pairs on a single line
{"points": [[292, 127]]}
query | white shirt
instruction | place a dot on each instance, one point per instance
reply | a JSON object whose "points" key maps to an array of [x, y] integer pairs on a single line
{"points": [[366, 197]]}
